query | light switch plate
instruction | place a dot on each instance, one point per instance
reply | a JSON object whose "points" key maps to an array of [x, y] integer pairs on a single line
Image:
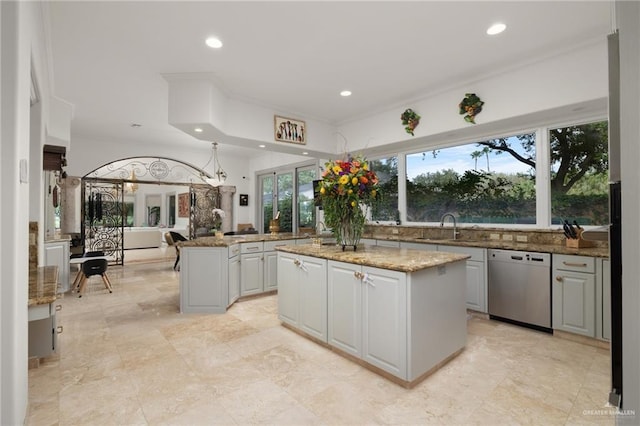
{"points": [[24, 171]]}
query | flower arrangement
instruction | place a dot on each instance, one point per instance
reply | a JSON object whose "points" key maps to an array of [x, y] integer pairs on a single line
{"points": [[218, 215], [410, 120], [347, 187], [471, 105]]}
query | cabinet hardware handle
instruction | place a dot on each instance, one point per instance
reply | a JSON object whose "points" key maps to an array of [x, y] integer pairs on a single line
{"points": [[579, 265], [368, 280], [252, 248], [59, 329], [296, 262], [358, 275], [303, 267], [559, 278], [58, 308]]}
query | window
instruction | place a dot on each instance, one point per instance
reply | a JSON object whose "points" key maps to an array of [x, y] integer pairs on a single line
{"points": [[386, 208], [579, 173], [491, 181]]}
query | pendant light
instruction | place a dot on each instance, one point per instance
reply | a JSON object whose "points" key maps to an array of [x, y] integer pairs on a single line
{"points": [[220, 176]]}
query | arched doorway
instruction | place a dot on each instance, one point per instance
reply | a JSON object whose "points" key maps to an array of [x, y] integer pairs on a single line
{"points": [[115, 218]]}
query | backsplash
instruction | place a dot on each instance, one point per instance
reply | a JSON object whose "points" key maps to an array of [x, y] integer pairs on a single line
{"points": [[472, 233], [33, 245]]}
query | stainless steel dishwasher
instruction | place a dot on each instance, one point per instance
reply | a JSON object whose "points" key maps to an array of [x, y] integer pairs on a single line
{"points": [[520, 288]]}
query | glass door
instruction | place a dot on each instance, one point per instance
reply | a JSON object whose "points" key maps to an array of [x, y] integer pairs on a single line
{"points": [[267, 197], [304, 196], [284, 193]]}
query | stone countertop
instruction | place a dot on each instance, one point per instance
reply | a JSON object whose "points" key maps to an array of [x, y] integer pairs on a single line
{"points": [[396, 259], [236, 239], [43, 285], [506, 245]]}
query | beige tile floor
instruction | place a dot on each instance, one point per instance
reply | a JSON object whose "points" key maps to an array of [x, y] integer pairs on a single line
{"points": [[130, 358]]}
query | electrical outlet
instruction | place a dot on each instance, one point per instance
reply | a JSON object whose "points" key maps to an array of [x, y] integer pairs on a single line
{"points": [[395, 231], [507, 237], [521, 238], [494, 236]]}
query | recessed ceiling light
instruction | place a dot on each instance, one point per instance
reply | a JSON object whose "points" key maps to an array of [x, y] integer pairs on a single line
{"points": [[214, 42], [345, 93], [262, 146], [198, 130], [496, 29], [305, 153]]}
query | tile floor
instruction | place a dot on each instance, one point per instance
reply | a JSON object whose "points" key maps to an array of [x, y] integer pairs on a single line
{"points": [[130, 358]]}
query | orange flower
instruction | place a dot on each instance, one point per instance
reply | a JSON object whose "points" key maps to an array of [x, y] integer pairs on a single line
{"points": [[363, 179]]}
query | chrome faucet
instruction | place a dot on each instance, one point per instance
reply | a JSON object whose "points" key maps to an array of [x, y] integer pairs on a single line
{"points": [[455, 226]]}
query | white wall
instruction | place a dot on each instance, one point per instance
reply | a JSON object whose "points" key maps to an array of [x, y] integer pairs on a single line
{"points": [[570, 78], [19, 23], [628, 20]]}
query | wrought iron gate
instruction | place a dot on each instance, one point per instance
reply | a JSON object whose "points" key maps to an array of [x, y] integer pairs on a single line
{"points": [[204, 199], [103, 218]]}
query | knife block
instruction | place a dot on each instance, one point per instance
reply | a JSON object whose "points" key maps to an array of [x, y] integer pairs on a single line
{"points": [[579, 242]]}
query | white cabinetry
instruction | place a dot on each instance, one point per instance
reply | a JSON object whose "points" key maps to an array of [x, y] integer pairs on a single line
{"points": [[476, 294], [388, 243], [302, 296], [251, 268], [603, 299], [56, 253], [367, 314], [418, 246], [574, 294], [234, 273], [271, 263], [204, 280], [43, 333]]}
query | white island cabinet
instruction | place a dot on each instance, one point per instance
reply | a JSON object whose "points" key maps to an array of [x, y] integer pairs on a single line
{"points": [[398, 312], [204, 280]]}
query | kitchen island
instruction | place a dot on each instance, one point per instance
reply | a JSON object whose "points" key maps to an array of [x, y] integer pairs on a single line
{"points": [[398, 312]]}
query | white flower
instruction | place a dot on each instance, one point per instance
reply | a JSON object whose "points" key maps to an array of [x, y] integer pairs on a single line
{"points": [[219, 213]]}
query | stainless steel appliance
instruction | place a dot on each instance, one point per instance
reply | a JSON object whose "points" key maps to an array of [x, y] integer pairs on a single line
{"points": [[520, 288]]}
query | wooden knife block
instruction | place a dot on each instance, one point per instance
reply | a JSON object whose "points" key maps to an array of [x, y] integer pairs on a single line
{"points": [[579, 242]]}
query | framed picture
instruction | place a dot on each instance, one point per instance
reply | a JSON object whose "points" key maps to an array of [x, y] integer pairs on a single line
{"points": [[290, 130], [244, 199], [183, 205]]}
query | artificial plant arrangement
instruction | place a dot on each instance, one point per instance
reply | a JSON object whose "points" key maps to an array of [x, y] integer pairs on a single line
{"points": [[410, 120], [471, 106], [347, 187]]}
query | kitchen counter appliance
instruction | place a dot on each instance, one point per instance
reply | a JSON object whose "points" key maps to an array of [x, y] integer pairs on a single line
{"points": [[520, 288]]}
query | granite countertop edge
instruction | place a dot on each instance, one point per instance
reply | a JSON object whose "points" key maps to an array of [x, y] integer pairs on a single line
{"points": [[43, 285], [395, 259]]}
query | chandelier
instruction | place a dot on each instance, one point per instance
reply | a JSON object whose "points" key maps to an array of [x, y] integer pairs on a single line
{"points": [[220, 176], [133, 185]]}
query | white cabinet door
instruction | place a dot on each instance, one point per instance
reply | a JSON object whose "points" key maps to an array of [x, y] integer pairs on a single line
{"points": [[56, 253], [270, 270], [251, 273], [204, 285], [344, 307], [418, 246], [574, 302], [288, 288], [312, 279], [388, 243], [384, 320], [234, 279]]}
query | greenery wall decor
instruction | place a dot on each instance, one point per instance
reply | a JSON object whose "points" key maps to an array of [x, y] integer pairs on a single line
{"points": [[410, 120], [471, 106]]}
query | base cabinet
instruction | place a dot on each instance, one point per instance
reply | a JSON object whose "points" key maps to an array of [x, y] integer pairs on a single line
{"points": [[302, 293], [367, 314], [234, 279], [56, 253], [476, 294], [204, 277], [251, 273], [573, 293], [43, 333], [270, 270]]}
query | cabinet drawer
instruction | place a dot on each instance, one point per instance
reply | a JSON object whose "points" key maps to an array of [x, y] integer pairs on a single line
{"points": [[38, 312], [251, 247], [476, 253], [271, 245], [234, 250], [574, 263]]}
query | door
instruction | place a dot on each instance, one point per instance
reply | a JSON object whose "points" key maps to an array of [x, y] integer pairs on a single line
{"points": [[288, 290], [344, 306], [384, 317], [267, 194], [306, 211], [574, 302], [313, 296], [270, 270], [284, 196], [251, 274], [475, 286]]}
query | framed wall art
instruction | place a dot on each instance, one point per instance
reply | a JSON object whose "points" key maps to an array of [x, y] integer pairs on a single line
{"points": [[183, 205], [290, 130], [244, 199]]}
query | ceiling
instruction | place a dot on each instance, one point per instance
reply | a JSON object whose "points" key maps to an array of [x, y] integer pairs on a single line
{"points": [[109, 57]]}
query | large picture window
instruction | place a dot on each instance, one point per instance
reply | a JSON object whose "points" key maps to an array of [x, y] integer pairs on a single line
{"points": [[491, 181], [579, 173], [386, 208]]}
